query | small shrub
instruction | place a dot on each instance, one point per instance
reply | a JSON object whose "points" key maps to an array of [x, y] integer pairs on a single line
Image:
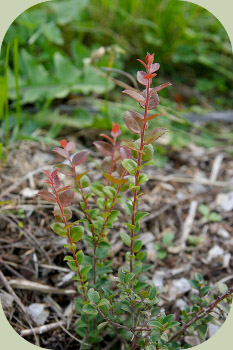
{"points": [[128, 305]]}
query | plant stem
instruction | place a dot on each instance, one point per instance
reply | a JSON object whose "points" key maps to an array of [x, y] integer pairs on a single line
{"points": [[202, 313], [89, 218], [138, 173], [71, 242]]}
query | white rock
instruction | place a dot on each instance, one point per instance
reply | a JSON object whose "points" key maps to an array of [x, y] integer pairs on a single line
{"points": [[147, 237], [158, 277], [215, 252], [28, 192], [181, 285], [38, 313], [212, 329], [225, 201], [226, 260], [223, 233], [181, 304]]}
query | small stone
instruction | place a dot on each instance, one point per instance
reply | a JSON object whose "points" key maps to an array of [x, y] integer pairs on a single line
{"points": [[181, 304], [225, 201], [212, 329], [38, 313], [181, 285], [28, 192], [226, 260], [215, 252], [223, 233]]}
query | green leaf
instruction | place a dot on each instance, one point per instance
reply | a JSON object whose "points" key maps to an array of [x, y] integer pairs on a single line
{"points": [[97, 189], [72, 265], [76, 233], [129, 165], [143, 178], [162, 254], [57, 228], [139, 215], [125, 238], [102, 302], [205, 290], [131, 145], [89, 309], [203, 210], [194, 284], [128, 208], [101, 325], [80, 256], [168, 237], [85, 270], [214, 217], [152, 293], [93, 296], [140, 255], [154, 134], [113, 216], [110, 191], [68, 258], [85, 181], [223, 288], [137, 245], [93, 213], [198, 277]]}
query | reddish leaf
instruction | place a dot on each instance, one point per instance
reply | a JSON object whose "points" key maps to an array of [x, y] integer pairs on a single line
{"points": [[140, 78], [149, 58], [106, 165], [135, 95], [70, 146], [107, 137], [61, 151], [158, 88], [134, 121], [58, 216], [116, 131], [149, 76], [154, 134], [154, 67], [63, 143], [125, 153], [120, 170], [153, 101], [153, 116], [64, 188], [54, 173], [66, 198], [142, 63], [57, 181], [114, 180], [47, 173], [65, 169], [80, 157], [78, 177], [131, 145], [48, 196], [103, 147]]}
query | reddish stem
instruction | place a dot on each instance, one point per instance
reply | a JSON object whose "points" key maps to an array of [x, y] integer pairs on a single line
{"points": [[70, 241], [138, 173]]}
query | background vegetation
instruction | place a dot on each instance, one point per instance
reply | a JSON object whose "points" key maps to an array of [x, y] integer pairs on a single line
{"points": [[60, 52]]}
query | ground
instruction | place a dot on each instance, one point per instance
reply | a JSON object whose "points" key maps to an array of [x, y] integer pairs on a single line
{"points": [[190, 228]]}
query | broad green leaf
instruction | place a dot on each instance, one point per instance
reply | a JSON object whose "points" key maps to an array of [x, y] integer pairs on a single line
{"points": [[130, 165], [101, 325], [57, 227], [76, 233], [85, 270], [125, 238], [93, 296], [80, 256], [89, 309], [137, 245]]}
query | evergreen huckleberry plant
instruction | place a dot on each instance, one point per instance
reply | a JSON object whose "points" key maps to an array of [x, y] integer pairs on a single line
{"points": [[126, 305]]}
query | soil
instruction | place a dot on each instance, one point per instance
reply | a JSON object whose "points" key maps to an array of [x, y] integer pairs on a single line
{"points": [[31, 252]]}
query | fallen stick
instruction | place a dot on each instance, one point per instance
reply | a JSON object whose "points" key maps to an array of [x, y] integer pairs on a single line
{"points": [[188, 224], [38, 287], [41, 329], [191, 180]]}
